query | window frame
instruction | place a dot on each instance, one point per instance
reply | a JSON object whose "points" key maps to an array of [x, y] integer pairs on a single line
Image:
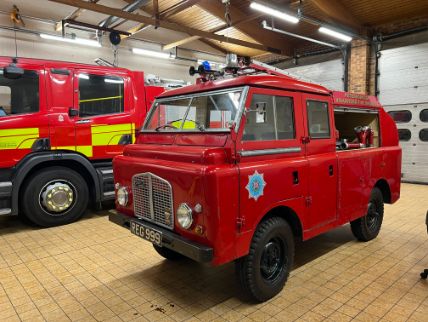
{"points": [[420, 115], [397, 111], [307, 100], [398, 132], [105, 74], [295, 144], [419, 134]]}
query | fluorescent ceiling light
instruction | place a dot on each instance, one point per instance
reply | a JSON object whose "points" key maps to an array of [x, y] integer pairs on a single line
{"points": [[335, 34], [152, 53], [273, 12], [79, 41]]}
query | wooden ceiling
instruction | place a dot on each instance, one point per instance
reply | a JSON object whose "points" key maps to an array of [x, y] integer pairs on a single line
{"points": [[246, 36]]}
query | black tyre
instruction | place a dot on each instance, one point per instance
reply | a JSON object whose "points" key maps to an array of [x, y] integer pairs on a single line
{"points": [[367, 228], [264, 271], [168, 253], [54, 196]]}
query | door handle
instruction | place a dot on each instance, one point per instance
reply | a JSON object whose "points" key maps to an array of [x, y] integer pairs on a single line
{"points": [[330, 170], [295, 177]]}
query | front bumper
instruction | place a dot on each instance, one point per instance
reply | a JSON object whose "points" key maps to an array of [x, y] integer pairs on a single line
{"points": [[171, 240]]}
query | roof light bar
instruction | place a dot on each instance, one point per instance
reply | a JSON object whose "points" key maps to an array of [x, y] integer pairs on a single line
{"points": [[274, 12], [335, 34], [152, 53], [79, 41]]}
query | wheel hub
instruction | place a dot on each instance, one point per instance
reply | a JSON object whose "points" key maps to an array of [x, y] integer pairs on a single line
{"points": [[57, 197], [272, 260]]}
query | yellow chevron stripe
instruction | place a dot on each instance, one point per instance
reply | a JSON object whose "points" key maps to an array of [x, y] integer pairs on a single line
{"points": [[110, 134], [23, 138]]}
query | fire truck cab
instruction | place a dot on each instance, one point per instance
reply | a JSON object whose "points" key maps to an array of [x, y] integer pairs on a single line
{"points": [[237, 169], [61, 124]]}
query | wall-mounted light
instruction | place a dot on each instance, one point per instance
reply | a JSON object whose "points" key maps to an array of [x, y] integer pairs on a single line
{"points": [[335, 34], [152, 53], [273, 12], [79, 41]]}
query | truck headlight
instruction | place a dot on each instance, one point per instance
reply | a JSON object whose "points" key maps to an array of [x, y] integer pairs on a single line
{"points": [[122, 196], [184, 216]]}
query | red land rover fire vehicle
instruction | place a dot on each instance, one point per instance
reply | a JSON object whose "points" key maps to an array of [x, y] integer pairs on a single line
{"points": [[61, 124], [236, 169]]}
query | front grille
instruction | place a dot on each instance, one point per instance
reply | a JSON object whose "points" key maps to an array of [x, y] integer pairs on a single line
{"points": [[153, 199]]}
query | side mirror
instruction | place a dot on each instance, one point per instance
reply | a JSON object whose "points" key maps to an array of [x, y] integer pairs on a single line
{"points": [[72, 112], [13, 72]]}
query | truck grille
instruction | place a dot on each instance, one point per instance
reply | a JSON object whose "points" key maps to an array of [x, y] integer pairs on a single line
{"points": [[153, 199]]}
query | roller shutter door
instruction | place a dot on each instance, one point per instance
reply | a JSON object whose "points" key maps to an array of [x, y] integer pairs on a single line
{"points": [[403, 90], [328, 73]]}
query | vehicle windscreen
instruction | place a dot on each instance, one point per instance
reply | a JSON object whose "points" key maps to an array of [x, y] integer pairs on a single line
{"points": [[19, 96], [211, 111]]}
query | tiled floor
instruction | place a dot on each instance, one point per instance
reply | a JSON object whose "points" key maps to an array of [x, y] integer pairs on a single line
{"points": [[95, 271]]}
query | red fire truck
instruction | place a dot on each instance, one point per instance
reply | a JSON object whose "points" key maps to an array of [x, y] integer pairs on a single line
{"points": [[237, 168], [60, 126]]}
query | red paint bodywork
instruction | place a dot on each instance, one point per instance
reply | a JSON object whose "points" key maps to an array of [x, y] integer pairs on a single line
{"points": [[58, 93], [208, 168]]}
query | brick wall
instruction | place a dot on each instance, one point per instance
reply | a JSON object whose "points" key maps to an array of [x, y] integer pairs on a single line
{"points": [[359, 72]]}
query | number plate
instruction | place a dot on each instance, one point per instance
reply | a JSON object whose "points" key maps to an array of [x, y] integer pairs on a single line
{"points": [[153, 236]]}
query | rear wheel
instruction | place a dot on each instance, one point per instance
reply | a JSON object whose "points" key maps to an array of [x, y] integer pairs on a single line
{"points": [[168, 253], [367, 228], [264, 271], [54, 196]]}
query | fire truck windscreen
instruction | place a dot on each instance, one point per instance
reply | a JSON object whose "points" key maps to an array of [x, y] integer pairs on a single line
{"points": [[208, 111]]}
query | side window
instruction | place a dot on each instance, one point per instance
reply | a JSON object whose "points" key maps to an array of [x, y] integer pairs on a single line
{"points": [[404, 134], [99, 95], [318, 120], [404, 116], [424, 115], [269, 118], [19, 96]]}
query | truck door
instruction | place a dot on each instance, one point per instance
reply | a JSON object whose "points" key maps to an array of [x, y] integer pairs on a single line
{"points": [[320, 151], [104, 122], [23, 117], [272, 166], [60, 98]]}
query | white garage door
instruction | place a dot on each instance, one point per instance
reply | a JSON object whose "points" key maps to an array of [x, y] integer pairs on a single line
{"points": [[403, 90], [328, 73]]}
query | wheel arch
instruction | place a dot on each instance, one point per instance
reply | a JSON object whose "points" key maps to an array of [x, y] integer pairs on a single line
{"points": [[35, 162], [289, 215], [383, 186]]}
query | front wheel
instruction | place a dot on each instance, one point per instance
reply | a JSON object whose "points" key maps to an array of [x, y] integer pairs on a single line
{"points": [[367, 228], [54, 196], [264, 271]]}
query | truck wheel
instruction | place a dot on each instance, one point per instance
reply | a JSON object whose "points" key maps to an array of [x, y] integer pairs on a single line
{"points": [[54, 196], [264, 271], [367, 228], [168, 253]]}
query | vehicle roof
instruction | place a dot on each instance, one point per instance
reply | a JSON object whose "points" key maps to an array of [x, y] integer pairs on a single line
{"points": [[264, 80], [59, 64]]}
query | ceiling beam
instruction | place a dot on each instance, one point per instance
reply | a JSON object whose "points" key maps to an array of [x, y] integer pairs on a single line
{"points": [[75, 14], [338, 12], [167, 25], [221, 28], [177, 8], [251, 29]]}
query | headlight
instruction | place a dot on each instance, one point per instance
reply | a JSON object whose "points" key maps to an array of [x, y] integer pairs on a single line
{"points": [[122, 196], [184, 216]]}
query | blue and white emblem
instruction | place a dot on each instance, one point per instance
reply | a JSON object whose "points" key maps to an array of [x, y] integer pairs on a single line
{"points": [[256, 185]]}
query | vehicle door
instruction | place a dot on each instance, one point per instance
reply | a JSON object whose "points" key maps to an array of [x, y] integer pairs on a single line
{"points": [[272, 164], [23, 119], [62, 117], [104, 122], [320, 150]]}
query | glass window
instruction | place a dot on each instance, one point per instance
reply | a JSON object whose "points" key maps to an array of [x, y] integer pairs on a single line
{"points": [[404, 135], [19, 96], [401, 116], [99, 95], [201, 112], [318, 120], [423, 135], [269, 118], [424, 115]]}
